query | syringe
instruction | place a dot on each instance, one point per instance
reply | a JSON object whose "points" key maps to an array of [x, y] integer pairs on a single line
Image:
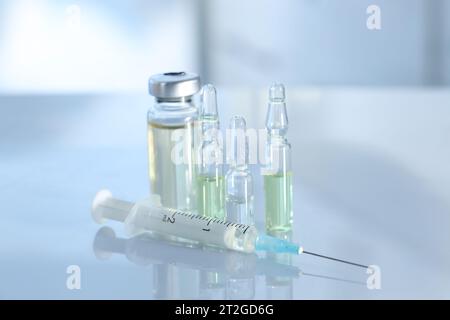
{"points": [[148, 216]]}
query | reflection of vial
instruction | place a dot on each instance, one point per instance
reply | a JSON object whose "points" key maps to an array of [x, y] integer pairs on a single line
{"points": [[239, 180], [240, 288], [277, 171], [279, 287], [210, 186], [171, 138], [212, 285]]}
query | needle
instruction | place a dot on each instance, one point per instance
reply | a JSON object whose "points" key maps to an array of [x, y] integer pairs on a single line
{"points": [[334, 259]]}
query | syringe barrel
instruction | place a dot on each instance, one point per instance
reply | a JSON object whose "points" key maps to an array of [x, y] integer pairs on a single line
{"points": [[207, 231], [148, 215]]}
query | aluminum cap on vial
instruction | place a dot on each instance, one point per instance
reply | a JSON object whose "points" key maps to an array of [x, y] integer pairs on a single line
{"points": [[173, 85]]}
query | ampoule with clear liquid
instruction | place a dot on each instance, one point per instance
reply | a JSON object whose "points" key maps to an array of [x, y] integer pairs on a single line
{"points": [[277, 171], [210, 179], [239, 180]]}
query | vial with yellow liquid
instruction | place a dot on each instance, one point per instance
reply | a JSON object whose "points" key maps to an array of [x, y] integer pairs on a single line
{"points": [[210, 177], [170, 134], [277, 170]]}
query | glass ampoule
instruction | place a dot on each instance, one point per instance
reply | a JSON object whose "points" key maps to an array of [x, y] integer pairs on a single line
{"points": [[277, 171], [210, 180], [239, 180]]}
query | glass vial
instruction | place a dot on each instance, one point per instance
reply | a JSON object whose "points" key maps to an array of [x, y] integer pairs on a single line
{"points": [[239, 180], [170, 133]]}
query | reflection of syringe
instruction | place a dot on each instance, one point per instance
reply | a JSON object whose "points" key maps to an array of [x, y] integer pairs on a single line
{"points": [[146, 249], [146, 216], [236, 271]]}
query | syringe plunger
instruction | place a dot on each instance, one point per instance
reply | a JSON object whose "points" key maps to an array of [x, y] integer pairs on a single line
{"points": [[105, 206]]}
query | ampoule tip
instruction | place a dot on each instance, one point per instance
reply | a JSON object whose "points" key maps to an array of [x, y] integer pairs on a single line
{"points": [[277, 93]]}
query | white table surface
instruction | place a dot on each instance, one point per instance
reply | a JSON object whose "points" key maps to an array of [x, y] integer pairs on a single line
{"points": [[371, 184]]}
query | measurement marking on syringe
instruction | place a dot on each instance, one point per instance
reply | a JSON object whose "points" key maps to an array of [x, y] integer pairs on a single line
{"points": [[208, 220]]}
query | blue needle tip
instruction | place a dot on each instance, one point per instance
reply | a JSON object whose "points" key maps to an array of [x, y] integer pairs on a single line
{"points": [[272, 244]]}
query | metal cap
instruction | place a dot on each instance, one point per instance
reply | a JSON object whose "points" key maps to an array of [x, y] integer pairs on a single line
{"points": [[173, 85]]}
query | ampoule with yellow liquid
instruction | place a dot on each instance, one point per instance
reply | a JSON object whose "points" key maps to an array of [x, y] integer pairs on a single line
{"points": [[210, 176], [277, 171]]}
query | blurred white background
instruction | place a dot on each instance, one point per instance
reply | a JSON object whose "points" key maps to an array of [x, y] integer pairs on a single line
{"points": [[85, 46]]}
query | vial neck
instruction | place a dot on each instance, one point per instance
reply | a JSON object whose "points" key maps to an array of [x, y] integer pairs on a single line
{"points": [[209, 126], [210, 157], [173, 104], [210, 129], [234, 166], [211, 135], [211, 170], [277, 137], [187, 99]]}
